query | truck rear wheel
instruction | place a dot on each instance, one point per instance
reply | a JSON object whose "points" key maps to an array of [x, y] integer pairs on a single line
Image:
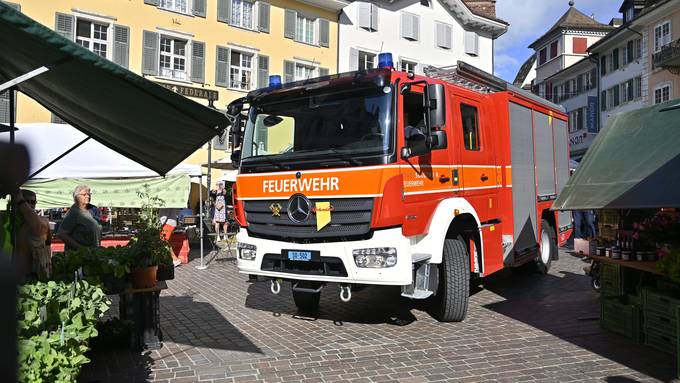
{"points": [[454, 282], [547, 247], [306, 301]]}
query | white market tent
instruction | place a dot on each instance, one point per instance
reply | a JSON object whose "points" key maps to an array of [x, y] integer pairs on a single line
{"points": [[115, 179]]}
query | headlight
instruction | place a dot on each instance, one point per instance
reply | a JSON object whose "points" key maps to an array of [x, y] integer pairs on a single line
{"points": [[246, 251], [375, 257]]}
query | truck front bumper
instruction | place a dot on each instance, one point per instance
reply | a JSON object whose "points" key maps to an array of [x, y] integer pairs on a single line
{"points": [[399, 274]]}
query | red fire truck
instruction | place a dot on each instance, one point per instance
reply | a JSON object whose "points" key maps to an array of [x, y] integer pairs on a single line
{"points": [[383, 177]]}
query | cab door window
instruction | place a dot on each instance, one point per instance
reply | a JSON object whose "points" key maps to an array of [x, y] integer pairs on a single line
{"points": [[470, 122]]}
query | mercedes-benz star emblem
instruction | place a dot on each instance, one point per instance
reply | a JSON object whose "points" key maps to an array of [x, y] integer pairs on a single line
{"points": [[299, 208]]}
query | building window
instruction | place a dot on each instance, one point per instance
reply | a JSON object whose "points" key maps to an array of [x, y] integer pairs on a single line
{"points": [[553, 49], [366, 60], [662, 35], [630, 14], [304, 30], [304, 72], [616, 99], [181, 6], [542, 56], [242, 14], [241, 70], [603, 65], [638, 87], [615, 59], [173, 58], [93, 36], [408, 66], [577, 120], [603, 100], [662, 94]]}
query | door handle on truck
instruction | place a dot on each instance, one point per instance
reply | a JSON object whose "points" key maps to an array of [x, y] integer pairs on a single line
{"points": [[484, 178], [444, 179]]}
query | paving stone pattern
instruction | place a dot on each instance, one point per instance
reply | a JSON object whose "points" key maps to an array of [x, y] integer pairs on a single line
{"points": [[521, 327]]}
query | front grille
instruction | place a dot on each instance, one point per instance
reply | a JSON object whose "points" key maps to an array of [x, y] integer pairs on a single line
{"points": [[329, 266], [350, 220]]}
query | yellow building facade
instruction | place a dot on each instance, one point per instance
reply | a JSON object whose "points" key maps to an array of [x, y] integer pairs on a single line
{"points": [[212, 51]]}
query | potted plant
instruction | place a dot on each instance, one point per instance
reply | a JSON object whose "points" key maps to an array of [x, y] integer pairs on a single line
{"points": [[147, 248]]}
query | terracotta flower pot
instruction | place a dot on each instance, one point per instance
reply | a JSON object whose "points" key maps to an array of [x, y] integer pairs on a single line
{"points": [[143, 277]]}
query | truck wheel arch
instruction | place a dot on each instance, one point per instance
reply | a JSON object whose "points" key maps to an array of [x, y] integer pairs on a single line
{"points": [[450, 216]]}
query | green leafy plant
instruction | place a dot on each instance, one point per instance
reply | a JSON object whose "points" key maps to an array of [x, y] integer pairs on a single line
{"points": [[97, 264], [669, 264], [55, 323], [147, 248]]}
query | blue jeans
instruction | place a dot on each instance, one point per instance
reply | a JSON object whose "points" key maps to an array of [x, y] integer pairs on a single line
{"points": [[591, 229], [579, 219]]}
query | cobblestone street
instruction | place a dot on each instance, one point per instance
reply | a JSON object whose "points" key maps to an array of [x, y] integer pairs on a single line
{"points": [[520, 327]]}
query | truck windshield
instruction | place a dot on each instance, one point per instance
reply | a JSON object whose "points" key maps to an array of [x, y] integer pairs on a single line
{"points": [[330, 124]]}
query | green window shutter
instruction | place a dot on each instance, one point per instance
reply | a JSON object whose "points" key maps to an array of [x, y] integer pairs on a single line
{"points": [[288, 71], [64, 25], [262, 71], [121, 45], [13, 5], [289, 20], [222, 67], [150, 53], [151, 2], [324, 31], [323, 72], [224, 10], [199, 8], [263, 17], [4, 107], [198, 62]]}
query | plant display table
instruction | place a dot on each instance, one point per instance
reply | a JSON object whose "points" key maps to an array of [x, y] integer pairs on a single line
{"points": [[647, 266], [142, 306]]}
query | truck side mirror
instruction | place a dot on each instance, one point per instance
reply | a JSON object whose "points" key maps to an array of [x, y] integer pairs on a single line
{"points": [[436, 106], [236, 131], [438, 140], [236, 159]]}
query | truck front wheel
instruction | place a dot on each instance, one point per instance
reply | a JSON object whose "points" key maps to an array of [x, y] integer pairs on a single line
{"points": [[306, 301], [454, 282]]}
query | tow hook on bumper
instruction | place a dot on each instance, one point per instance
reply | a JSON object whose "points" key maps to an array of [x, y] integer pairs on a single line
{"points": [[276, 286], [345, 293]]}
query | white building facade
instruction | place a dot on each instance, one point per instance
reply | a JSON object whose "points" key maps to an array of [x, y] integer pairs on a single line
{"points": [[623, 69], [437, 33]]}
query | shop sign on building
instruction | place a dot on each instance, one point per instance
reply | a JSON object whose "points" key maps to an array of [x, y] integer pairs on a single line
{"points": [[591, 118], [188, 91]]}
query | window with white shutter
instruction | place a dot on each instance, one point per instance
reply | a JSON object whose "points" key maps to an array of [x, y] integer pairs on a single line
{"points": [[241, 70], [181, 6], [368, 16], [471, 43], [410, 26], [444, 36], [173, 56]]}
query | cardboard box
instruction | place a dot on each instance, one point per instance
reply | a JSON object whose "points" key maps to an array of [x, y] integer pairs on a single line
{"points": [[585, 246]]}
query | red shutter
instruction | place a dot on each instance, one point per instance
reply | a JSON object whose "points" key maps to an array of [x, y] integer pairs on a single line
{"points": [[580, 45]]}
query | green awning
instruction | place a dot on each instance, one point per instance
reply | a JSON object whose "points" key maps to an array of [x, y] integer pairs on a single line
{"points": [[633, 163], [57, 193], [129, 114]]}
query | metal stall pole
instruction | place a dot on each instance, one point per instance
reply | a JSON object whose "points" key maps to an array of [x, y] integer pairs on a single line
{"points": [[202, 266]]}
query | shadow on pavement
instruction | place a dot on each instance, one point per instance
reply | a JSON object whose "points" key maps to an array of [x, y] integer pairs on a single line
{"points": [[565, 306], [371, 305], [120, 366], [190, 322]]}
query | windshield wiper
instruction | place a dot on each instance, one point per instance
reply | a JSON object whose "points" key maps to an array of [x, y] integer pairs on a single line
{"points": [[277, 164], [345, 157]]}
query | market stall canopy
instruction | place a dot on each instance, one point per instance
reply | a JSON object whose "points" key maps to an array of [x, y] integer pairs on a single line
{"points": [[127, 113], [632, 163], [46, 141]]}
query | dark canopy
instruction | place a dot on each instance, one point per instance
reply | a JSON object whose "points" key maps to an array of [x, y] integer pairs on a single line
{"points": [[131, 115], [634, 162]]}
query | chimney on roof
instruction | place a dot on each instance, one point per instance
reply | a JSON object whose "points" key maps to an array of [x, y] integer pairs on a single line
{"points": [[484, 8]]}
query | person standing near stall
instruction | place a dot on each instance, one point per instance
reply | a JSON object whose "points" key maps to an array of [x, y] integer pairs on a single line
{"points": [[33, 237], [220, 214], [79, 227]]}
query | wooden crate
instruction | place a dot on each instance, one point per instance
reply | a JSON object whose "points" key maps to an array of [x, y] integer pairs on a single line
{"points": [[611, 280], [608, 217]]}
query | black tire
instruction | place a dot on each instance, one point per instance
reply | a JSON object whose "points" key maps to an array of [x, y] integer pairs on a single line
{"points": [[595, 284], [543, 261], [454, 282], [306, 301]]}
